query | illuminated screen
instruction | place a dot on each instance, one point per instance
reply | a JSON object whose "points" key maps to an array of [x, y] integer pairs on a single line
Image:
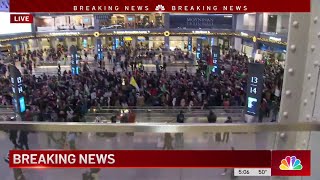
{"points": [[117, 43], [8, 28], [22, 104], [77, 70]]}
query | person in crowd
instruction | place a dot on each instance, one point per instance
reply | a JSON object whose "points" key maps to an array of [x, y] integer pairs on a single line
{"points": [[71, 138], [263, 110], [23, 140], [275, 110], [180, 117], [13, 135], [86, 55], [225, 137], [179, 136], [168, 142], [212, 118]]}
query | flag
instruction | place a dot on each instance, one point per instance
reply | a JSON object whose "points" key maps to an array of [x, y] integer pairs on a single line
{"points": [[163, 90], [209, 70], [134, 83], [210, 65]]}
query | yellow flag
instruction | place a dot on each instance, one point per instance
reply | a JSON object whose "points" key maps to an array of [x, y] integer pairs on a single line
{"points": [[134, 83]]}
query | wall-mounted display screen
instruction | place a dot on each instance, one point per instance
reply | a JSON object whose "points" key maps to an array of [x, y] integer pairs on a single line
{"points": [[64, 23], [8, 28]]}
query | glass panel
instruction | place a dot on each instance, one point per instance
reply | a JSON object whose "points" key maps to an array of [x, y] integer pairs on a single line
{"points": [[136, 141], [168, 114]]}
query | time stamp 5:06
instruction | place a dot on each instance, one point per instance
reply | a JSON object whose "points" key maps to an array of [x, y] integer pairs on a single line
{"points": [[252, 171]]}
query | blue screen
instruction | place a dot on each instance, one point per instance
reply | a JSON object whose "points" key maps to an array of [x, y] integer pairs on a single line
{"points": [[73, 70], [85, 20], [189, 48], [252, 105], [77, 70], [117, 43], [22, 104]]}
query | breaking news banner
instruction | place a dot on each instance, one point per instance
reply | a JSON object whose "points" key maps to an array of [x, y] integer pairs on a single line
{"points": [[245, 162], [173, 6]]}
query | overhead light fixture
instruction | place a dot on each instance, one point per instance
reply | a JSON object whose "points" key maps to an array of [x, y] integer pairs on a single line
{"points": [[244, 34], [274, 39]]}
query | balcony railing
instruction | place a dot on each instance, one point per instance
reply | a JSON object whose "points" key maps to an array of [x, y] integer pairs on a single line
{"points": [[159, 127]]}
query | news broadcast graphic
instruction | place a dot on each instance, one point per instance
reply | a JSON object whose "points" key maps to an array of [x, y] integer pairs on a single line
{"points": [[21, 18], [248, 162], [176, 6], [138, 159], [291, 163], [9, 27], [17, 89], [252, 172], [254, 88]]}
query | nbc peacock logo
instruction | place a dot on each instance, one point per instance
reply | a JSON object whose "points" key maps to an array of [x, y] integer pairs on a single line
{"points": [[290, 163]]}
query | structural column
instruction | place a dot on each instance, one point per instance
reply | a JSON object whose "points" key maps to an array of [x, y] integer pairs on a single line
{"points": [[300, 76], [257, 30], [167, 27], [167, 42], [134, 41]]}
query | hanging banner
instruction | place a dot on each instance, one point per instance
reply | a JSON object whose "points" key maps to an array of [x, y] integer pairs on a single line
{"points": [[199, 49], [17, 89], [254, 88], [176, 6], [74, 61]]}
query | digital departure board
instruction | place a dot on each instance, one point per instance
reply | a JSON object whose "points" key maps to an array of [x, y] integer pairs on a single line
{"points": [[99, 49], [17, 89], [121, 39], [75, 69], [115, 43], [254, 88], [199, 49], [189, 44], [215, 57]]}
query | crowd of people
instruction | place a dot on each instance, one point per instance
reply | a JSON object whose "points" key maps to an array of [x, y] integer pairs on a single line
{"points": [[67, 98]]}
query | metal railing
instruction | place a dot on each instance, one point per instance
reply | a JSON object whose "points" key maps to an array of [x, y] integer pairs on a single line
{"points": [[159, 127]]}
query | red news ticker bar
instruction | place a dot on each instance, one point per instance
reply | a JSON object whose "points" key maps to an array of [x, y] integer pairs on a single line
{"points": [[146, 159], [174, 6]]}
